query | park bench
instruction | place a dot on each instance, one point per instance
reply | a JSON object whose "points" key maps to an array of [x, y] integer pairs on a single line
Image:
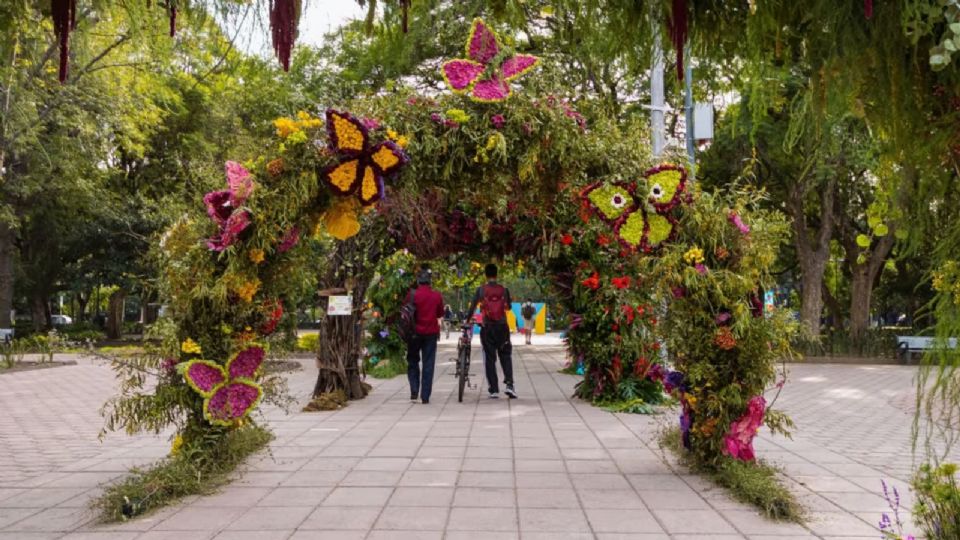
{"points": [[908, 345]]}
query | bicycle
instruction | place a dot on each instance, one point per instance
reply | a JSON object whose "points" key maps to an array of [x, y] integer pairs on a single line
{"points": [[463, 361]]}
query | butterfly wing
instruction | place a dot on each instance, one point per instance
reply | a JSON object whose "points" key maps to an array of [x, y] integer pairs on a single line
{"points": [[665, 186], [630, 229], [482, 44], [387, 157], [611, 201], [246, 362], [490, 90], [347, 133], [518, 65], [659, 229], [204, 376], [460, 74], [343, 177], [232, 401], [371, 186]]}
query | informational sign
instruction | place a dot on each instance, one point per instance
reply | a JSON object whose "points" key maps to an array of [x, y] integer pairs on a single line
{"points": [[340, 305]]}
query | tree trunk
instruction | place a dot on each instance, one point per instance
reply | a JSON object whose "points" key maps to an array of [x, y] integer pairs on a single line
{"points": [[81, 306], [115, 314], [861, 289], [813, 249], [7, 252], [40, 310], [350, 271], [811, 297]]}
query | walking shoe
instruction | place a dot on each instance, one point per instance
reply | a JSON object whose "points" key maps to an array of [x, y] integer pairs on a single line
{"points": [[494, 395], [510, 392], [426, 402], [413, 398]]}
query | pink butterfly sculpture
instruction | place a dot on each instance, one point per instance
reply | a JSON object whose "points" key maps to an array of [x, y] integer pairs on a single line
{"points": [[230, 392], [485, 74]]}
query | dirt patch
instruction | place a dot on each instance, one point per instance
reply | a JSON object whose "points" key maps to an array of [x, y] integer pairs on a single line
{"points": [[32, 366]]}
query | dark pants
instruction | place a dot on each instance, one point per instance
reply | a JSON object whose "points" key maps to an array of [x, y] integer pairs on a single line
{"points": [[495, 339], [421, 348]]}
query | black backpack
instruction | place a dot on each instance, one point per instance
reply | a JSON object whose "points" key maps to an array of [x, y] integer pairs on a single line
{"points": [[407, 321], [528, 311]]}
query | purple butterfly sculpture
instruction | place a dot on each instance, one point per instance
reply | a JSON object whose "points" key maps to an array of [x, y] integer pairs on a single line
{"points": [[479, 74], [230, 392]]}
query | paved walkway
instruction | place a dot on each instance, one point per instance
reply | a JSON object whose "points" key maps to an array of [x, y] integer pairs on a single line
{"points": [[542, 466]]}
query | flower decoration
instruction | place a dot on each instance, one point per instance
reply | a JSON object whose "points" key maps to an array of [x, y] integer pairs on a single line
{"points": [[738, 223], [275, 167], [592, 282], [621, 282], [487, 71], [693, 256], [665, 186], [340, 220], [230, 392], [190, 346], [724, 339], [566, 240], [256, 255], [223, 207], [290, 239], [274, 313], [365, 166], [738, 443], [247, 290], [721, 253], [498, 121]]}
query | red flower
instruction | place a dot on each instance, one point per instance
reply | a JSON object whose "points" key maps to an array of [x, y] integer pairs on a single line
{"points": [[592, 282], [603, 240], [641, 367], [615, 327], [628, 313], [566, 240], [641, 311], [621, 282]]}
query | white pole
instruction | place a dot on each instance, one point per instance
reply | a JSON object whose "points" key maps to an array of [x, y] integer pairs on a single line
{"points": [[657, 128]]}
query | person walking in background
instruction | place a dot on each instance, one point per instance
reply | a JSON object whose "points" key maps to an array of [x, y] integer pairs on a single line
{"points": [[422, 347], [447, 319], [528, 311], [494, 300]]}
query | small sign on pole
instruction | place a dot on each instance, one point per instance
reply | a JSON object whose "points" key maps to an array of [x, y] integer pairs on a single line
{"points": [[340, 305]]}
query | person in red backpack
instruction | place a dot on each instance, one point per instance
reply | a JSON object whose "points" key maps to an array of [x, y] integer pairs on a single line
{"points": [[495, 302], [422, 347]]}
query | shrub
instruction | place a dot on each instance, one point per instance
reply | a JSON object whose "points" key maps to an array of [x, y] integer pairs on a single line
{"points": [[937, 509], [195, 469], [308, 342]]}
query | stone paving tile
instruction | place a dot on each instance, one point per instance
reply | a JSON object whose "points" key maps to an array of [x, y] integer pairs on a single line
{"points": [[542, 466]]}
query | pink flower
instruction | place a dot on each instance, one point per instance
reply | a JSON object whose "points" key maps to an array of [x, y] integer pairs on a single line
{"points": [[239, 182], [738, 443], [738, 223], [498, 121], [371, 123], [289, 240], [246, 363], [219, 206], [450, 124], [436, 118], [701, 269], [230, 231], [411, 101]]}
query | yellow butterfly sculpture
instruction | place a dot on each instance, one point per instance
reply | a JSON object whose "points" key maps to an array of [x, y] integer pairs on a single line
{"points": [[365, 166], [639, 224]]}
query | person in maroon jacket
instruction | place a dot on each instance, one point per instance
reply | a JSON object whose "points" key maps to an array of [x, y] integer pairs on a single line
{"points": [[423, 346]]}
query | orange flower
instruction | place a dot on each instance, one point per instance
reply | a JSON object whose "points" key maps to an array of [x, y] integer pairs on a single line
{"points": [[724, 339], [275, 167], [592, 282]]}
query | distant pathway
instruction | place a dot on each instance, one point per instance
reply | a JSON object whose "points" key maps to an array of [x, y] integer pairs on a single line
{"points": [[543, 466]]}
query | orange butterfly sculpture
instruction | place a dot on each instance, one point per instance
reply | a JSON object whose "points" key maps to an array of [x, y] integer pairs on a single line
{"points": [[365, 166]]}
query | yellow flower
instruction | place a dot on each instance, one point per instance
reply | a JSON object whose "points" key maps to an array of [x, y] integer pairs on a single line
{"points": [[341, 219], [256, 255], [459, 116], [247, 290], [286, 127], [392, 134], [403, 141], [190, 346], [177, 444], [693, 255]]}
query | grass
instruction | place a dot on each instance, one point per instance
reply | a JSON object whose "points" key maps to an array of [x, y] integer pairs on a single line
{"points": [[189, 472], [755, 483], [387, 369]]}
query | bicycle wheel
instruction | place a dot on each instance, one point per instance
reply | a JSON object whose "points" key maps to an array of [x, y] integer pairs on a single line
{"points": [[463, 364]]}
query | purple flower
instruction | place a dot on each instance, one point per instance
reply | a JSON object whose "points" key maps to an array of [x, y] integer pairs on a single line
{"points": [[370, 123], [230, 231], [233, 401], [679, 292], [289, 240], [246, 362], [738, 223], [673, 380], [436, 118], [450, 124], [527, 128], [722, 318], [384, 333], [204, 376], [498, 121], [686, 422], [701, 269], [168, 364], [218, 204]]}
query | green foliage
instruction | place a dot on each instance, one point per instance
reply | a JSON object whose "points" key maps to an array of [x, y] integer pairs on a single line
{"points": [[196, 468], [308, 343], [754, 483], [385, 352], [937, 507]]}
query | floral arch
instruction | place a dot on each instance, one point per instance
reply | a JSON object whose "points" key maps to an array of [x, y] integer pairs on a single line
{"points": [[661, 281]]}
